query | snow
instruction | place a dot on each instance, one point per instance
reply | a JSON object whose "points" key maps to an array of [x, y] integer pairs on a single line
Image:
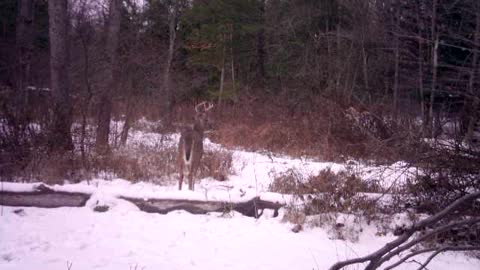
{"points": [[126, 238]]}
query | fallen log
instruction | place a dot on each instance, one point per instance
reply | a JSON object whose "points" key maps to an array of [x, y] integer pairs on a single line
{"points": [[43, 196], [46, 197], [251, 208]]}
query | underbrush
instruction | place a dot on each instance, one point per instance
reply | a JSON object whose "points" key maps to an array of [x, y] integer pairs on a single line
{"points": [[217, 164], [321, 129], [149, 159], [335, 201], [137, 164], [160, 165]]}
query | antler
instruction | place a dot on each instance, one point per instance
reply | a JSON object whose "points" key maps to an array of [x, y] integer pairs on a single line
{"points": [[198, 106], [205, 106], [208, 107]]}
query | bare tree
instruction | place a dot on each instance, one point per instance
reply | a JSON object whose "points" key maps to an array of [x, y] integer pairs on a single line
{"points": [[261, 43], [105, 102], [172, 35], [85, 35], [24, 41], [434, 68], [420, 63], [472, 90], [60, 137], [397, 61]]}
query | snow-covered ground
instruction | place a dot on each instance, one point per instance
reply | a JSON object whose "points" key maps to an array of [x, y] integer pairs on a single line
{"points": [[127, 238]]}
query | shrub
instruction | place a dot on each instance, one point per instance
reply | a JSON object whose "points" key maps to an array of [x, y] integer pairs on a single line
{"points": [[217, 164], [288, 182], [135, 165], [327, 199], [158, 164]]}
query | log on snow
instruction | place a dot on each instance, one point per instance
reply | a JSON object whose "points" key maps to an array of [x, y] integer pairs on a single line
{"points": [[251, 208], [43, 196], [46, 197]]}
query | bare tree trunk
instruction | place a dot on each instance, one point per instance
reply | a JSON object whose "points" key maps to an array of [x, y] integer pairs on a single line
{"points": [[86, 104], [261, 54], [128, 122], [338, 64], [332, 66], [171, 50], [222, 73], [434, 68], [364, 56], [60, 137], [232, 65], [420, 68], [433, 120], [105, 104], [24, 51], [397, 66], [471, 87]]}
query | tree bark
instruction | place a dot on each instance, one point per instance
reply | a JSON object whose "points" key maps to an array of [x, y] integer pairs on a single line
{"points": [[472, 91], [222, 72], [24, 49], [364, 33], [105, 104], [128, 122], [434, 69], [433, 121], [88, 99], [232, 64], [420, 67], [171, 50], [261, 54], [60, 138], [397, 65]]}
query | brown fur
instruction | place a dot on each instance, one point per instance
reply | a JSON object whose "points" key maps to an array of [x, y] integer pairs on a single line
{"points": [[190, 148]]}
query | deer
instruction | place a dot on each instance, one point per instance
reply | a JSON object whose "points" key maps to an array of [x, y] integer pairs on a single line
{"points": [[190, 145]]}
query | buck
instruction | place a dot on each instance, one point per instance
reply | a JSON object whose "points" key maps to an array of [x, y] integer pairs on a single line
{"points": [[190, 146]]}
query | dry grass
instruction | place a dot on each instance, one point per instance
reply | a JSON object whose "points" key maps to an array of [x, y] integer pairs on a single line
{"points": [[159, 165], [294, 182], [52, 168], [321, 199], [319, 130], [217, 164], [318, 127], [137, 165], [138, 161]]}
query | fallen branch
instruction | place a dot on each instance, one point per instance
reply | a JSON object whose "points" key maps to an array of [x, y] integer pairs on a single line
{"points": [[395, 247], [451, 248], [436, 251]]}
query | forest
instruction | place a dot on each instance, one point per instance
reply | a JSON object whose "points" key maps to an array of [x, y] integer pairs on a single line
{"points": [[339, 108]]}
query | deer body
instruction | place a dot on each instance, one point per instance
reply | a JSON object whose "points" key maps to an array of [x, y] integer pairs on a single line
{"points": [[190, 147]]}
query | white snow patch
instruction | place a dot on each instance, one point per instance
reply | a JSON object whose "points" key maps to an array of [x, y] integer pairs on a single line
{"points": [[125, 237]]}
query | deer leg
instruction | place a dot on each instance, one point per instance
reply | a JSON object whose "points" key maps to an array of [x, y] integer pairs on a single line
{"points": [[180, 181], [190, 181]]}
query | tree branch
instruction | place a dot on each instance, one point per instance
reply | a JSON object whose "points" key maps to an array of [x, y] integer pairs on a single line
{"points": [[449, 248], [395, 247]]}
